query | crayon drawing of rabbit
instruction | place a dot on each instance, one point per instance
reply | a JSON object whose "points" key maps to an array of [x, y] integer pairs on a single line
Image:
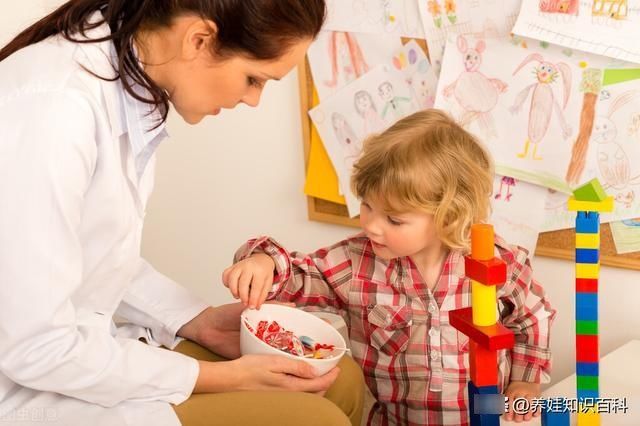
{"points": [[476, 93], [543, 101], [613, 162]]}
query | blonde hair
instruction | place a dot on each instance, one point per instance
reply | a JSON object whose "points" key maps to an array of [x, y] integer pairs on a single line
{"points": [[426, 162]]}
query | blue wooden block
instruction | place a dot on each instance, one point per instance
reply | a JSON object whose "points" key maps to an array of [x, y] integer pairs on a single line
{"points": [[586, 306], [587, 394], [556, 414], [484, 391], [587, 369], [588, 222], [587, 255]]}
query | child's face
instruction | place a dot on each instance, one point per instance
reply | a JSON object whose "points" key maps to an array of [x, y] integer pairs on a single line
{"points": [[397, 235]]}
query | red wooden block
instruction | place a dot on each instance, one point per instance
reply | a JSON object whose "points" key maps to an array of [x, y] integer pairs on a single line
{"points": [[483, 365], [587, 348], [487, 272], [492, 337], [586, 285]]}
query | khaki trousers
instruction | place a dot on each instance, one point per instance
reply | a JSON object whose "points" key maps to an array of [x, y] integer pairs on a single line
{"points": [[341, 406]]}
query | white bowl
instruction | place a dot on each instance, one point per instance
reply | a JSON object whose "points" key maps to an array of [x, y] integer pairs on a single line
{"points": [[299, 322]]}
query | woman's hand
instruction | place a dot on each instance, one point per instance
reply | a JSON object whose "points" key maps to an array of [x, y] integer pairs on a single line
{"points": [[217, 329], [262, 373], [517, 390], [251, 279]]}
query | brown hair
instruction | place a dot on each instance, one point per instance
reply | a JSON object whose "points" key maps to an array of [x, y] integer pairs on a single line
{"points": [[258, 29], [426, 162]]}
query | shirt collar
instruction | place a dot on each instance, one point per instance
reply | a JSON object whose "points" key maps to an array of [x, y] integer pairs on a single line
{"points": [[126, 114]]}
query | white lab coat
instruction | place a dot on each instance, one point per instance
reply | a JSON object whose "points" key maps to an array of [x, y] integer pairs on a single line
{"points": [[71, 215]]}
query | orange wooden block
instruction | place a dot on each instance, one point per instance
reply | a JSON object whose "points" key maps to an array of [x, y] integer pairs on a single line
{"points": [[482, 241], [483, 365], [487, 272]]}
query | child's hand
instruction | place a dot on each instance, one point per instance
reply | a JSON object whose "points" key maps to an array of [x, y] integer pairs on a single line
{"points": [[250, 279], [517, 390]]}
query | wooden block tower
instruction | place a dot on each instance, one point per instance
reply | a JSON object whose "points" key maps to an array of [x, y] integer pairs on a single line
{"points": [[479, 322], [588, 201]]}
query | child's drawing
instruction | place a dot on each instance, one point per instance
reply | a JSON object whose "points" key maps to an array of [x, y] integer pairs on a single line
{"points": [[346, 57], [366, 108], [512, 214], [543, 101], [560, 6], [414, 64], [439, 8], [508, 182], [626, 235], [613, 162], [350, 143], [615, 9], [612, 157], [338, 58], [477, 18], [590, 87], [397, 106], [541, 81], [476, 93], [603, 27], [347, 118], [397, 17]]}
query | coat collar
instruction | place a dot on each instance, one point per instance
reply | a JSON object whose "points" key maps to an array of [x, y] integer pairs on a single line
{"points": [[126, 114]]}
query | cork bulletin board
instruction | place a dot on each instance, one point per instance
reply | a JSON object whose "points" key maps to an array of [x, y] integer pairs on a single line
{"points": [[556, 244]]}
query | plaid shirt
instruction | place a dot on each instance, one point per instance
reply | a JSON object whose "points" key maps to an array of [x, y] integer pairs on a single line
{"points": [[415, 363]]}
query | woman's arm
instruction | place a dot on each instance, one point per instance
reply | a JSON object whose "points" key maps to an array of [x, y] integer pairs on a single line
{"points": [[48, 156], [261, 373]]}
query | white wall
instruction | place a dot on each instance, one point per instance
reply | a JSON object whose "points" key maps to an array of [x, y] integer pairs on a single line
{"points": [[241, 174]]}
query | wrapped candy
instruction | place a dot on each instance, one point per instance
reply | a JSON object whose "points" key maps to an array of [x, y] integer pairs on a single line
{"points": [[276, 336]]}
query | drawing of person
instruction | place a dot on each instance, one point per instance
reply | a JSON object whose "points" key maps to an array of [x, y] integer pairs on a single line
{"points": [[351, 145], [365, 106], [398, 105], [507, 181]]}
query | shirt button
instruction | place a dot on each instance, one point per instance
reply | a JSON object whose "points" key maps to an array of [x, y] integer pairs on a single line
{"points": [[435, 355], [431, 308], [433, 332]]}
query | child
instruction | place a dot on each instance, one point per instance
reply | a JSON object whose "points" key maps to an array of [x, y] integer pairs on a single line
{"points": [[422, 183]]}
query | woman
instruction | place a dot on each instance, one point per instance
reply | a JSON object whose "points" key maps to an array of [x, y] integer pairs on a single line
{"points": [[84, 95]]}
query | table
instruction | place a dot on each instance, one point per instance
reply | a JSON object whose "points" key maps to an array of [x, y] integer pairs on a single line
{"points": [[619, 378]]}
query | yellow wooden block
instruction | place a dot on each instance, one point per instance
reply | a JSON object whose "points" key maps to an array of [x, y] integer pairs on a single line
{"points": [[587, 270], [590, 206], [587, 241], [484, 304], [589, 418]]}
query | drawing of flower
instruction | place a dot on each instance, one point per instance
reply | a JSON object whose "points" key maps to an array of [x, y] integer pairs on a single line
{"points": [[435, 10], [450, 9]]}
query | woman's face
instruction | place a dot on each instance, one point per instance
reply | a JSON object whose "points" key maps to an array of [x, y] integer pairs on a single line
{"points": [[200, 84]]}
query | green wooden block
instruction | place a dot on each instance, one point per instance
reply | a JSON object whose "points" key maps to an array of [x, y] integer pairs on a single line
{"points": [[590, 191], [588, 382], [586, 327]]}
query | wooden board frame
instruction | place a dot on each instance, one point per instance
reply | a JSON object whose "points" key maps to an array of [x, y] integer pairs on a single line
{"points": [[555, 244]]}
